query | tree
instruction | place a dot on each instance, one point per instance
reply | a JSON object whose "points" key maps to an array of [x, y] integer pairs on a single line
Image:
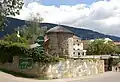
{"points": [[14, 39], [101, 47], [118, 49], [32, 30], [115, 61], [9, 7]]}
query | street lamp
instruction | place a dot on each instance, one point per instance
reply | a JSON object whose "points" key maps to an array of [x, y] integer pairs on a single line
{"points": [[18, 34]]}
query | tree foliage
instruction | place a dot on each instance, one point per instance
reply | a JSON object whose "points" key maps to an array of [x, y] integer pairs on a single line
{"points": [[115, 61], [9, 7], [101, 47], [14, 39], [32, 29], [43, 58], [8, 50]]}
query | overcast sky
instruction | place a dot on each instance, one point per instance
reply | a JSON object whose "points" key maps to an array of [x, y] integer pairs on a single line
{"points": [[98, 15]]}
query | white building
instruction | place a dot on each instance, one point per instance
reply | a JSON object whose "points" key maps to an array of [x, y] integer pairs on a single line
{"points": [[75, 47]]}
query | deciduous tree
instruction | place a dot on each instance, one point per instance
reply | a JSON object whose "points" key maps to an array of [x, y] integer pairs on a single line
{"points": [[8, 8], [32, 29], [101, 47]]}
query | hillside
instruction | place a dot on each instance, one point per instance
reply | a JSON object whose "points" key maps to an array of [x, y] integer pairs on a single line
{"points": [[82, 33]]}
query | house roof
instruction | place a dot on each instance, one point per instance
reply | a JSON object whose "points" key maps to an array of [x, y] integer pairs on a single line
{"points": [[59, 29]]}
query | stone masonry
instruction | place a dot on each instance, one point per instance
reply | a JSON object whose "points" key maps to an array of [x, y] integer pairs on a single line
{"points": [[63, 69], [75, 68]]}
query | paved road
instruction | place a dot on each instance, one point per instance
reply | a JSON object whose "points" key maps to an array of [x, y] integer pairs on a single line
{"points": [[106, 77]]}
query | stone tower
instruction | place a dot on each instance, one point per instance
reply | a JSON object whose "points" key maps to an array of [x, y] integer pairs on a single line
{"points": [[58, 37]]}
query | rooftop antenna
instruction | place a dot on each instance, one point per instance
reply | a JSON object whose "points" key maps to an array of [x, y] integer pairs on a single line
{"points": [[58, 23]]}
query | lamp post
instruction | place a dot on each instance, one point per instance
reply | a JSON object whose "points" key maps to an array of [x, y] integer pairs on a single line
{"points": [[18, 34]]}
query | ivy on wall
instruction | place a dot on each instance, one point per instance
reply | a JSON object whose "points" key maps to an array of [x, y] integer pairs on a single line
{"points": [[8, 50]]}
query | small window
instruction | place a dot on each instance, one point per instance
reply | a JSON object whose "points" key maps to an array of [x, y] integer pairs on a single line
{"points": [[77, 40], [78, 49], [73, 52], [78, 53], [78, 44], [73, 48], [73, 44]]}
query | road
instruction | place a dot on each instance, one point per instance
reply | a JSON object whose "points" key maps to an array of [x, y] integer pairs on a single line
{"points": [[105, 77]]}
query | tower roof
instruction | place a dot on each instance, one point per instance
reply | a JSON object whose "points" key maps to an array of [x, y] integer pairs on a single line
{"points": [[59, 29]]}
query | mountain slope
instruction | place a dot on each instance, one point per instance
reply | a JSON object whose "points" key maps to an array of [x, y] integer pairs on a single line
{"points": [[82, 33]]}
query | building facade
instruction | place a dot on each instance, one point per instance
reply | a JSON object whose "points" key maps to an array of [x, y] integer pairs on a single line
{"points": [[63, 42], [75, 47]]}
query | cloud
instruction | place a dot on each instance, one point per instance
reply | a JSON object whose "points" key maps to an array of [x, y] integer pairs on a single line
{"points": [[101, 16], [26, 2]]}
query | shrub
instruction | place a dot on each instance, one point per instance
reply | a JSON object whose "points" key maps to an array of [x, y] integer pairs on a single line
{"points": [[14, 39], [8, 50], [43, 58]]}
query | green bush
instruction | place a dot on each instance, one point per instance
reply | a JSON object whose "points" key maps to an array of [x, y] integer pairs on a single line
{"points": [[115, 61], [8, 50], [14, 39], [44, 58], [18, 48]]}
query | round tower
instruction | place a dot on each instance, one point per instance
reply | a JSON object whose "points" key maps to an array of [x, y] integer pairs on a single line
{"points": [[58, 37]]}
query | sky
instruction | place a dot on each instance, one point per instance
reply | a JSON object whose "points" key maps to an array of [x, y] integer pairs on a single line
{"points": [[99, 15], [61, 2]]}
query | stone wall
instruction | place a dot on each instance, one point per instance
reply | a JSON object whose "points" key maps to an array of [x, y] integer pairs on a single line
{"points": [[14, 66], [116, 68], [75, 68], [58, 43], [63, 69]]}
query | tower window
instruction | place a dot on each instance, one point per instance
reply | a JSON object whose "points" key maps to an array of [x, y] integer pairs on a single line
{"points": [[78, 53], [73, 52], [78, 44]]}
